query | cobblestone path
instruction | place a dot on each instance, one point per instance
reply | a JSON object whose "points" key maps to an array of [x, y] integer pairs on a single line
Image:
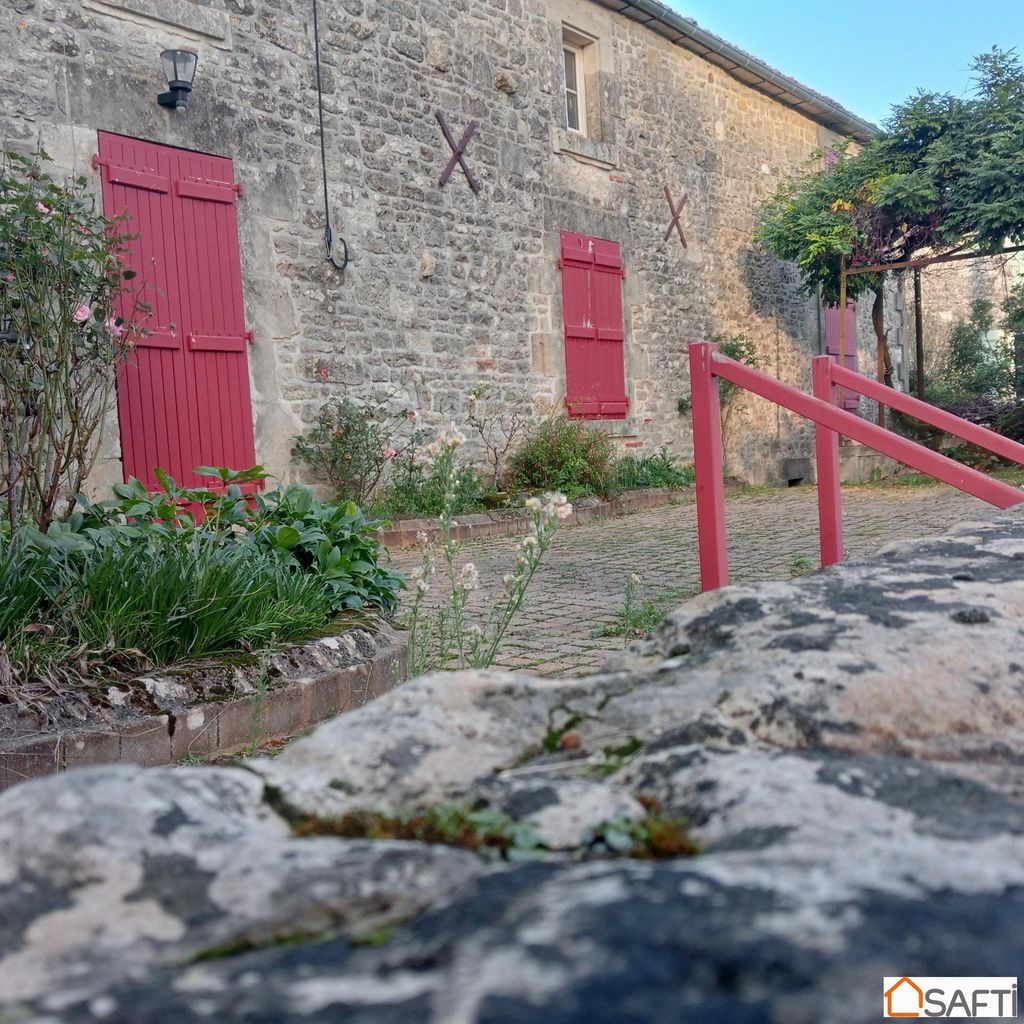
{"points": [[578, 591]]}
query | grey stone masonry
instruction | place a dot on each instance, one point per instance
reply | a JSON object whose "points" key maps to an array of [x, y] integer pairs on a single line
{"points": [[447, 287]]}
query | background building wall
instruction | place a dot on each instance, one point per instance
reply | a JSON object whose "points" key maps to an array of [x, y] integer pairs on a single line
{"points": [[446, 287]]}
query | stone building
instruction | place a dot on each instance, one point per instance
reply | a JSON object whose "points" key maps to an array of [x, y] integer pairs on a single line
{"points": [[591, 117]]}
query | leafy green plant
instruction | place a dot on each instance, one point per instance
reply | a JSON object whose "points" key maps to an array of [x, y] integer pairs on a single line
{"points": [[62, 280], [333, 543], [660, 470], [566, 455], [351, 444]]}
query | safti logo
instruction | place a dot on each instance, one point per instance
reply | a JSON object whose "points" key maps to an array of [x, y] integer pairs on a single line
{"points": [[962, 998]]}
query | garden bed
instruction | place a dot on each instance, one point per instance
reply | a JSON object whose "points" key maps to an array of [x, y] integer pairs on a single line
{"points": [[207, 710]]}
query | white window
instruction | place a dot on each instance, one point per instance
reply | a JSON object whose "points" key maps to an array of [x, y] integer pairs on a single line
{"points": [[575, 98]]}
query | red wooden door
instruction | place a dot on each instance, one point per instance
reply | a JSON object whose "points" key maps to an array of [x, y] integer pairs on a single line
{"points": [[850, 400], [595, 375], [183, 393]]}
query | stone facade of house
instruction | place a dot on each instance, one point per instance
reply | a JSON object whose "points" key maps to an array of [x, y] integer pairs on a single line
{"points": [[447, 286]]}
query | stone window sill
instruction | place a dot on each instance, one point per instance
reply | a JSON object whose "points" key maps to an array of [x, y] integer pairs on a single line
{"points": [[585, 150]]}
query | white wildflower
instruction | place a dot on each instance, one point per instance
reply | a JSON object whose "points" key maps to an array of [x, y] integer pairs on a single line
{"points": [[475, 631], [563, 510], [469, 577], [422, 587], [529, 543], [533, 504]]}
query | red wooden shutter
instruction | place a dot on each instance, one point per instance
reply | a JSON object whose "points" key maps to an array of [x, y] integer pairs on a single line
{"points": [[850, 400], [183, 393], [595, 381]]}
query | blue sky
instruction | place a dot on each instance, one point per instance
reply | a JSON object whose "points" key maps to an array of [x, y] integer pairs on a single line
{"points": [[870, 54]]}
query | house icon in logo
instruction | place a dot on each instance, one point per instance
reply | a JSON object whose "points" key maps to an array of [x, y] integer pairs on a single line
{"points": [[899, 999]]}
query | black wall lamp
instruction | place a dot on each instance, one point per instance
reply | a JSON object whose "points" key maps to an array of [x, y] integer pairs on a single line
{"points": [[180, 69]]}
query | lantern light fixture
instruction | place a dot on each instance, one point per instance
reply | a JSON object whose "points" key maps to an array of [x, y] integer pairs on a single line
{"points": [[180, 70]]}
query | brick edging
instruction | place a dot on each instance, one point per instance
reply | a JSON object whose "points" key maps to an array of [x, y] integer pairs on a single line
{"points": [[210, 729], [480, 525]]}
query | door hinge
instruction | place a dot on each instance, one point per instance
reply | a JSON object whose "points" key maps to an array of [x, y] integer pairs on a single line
{"points": [[249, 337], [239, 191]]}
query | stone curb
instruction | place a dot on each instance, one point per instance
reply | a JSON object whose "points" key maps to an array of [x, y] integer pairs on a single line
{"points": [[211, 729], [484, 525]]}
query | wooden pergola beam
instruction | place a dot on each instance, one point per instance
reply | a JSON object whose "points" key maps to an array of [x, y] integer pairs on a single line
{"points": [[927, 261]]}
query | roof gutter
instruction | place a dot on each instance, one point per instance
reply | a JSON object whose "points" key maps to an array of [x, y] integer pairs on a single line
{"points": [[742, 66]]}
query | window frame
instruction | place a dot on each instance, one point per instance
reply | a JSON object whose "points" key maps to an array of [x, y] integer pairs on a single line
{"points": [[580, 92]]}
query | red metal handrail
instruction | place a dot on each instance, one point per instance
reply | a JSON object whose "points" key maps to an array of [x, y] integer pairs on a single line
{"points": [[707, 365]]}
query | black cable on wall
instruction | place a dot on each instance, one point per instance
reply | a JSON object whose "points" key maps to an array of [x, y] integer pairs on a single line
{"points": [[329, 240]]}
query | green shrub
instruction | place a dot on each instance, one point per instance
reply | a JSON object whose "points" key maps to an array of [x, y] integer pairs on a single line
{"points": [[350, 445], [560, 454], [975, 366], [661, 470], [420, 487]]}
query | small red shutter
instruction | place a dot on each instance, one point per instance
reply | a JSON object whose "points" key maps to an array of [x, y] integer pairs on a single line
{"points": [[595, 381], [183, 392], [850, 400]]}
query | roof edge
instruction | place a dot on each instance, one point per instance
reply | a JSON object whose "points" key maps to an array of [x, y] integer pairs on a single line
{"points": [[743, 66]]}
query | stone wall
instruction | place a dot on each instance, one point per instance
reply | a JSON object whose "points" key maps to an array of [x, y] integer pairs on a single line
{"points": [[446, 287], [844, 750]]}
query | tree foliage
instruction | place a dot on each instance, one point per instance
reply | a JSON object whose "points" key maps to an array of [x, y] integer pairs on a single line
{"points": [[945, 173]]}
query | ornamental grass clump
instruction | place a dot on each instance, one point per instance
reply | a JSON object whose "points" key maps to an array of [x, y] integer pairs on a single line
{"points": [[446, 638], [180, 597]]}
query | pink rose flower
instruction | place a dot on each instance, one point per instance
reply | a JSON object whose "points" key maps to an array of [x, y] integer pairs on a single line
{"points": [[115, 329], [82, 314], [389, 453], [9, 277], [43, 208]]}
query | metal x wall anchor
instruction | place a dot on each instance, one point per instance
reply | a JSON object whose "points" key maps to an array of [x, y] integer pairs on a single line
{"points": [[676, 211], [457, 153]]}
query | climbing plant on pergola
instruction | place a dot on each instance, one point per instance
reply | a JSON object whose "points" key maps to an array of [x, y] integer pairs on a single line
{"points": [[943, 180]]}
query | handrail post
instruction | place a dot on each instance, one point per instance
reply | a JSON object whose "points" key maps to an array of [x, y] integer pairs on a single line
{"points": [[708, 468], [826, 451]]}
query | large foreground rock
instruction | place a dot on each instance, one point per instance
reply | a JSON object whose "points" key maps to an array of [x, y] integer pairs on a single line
{"points": [[847, 749]]}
